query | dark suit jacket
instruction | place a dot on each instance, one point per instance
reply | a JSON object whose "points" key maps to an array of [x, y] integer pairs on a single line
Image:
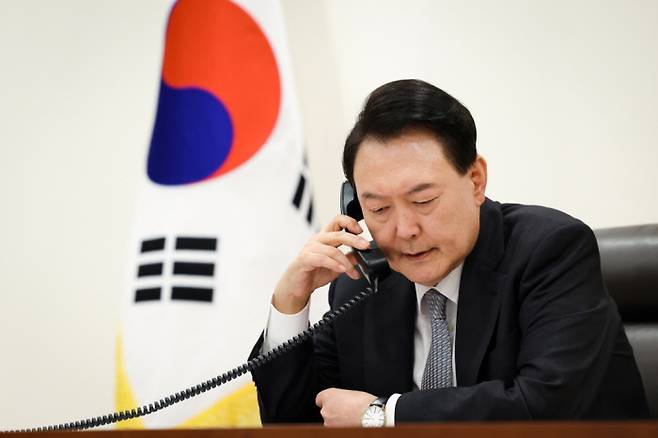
{"points": [[537, 337]]}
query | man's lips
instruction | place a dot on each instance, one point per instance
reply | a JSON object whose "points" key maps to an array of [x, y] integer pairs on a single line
{"points": [[418, 255]]}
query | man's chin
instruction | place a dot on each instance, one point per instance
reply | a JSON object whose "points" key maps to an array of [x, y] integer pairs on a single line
{"points": [[420, 276], [427, 281]]}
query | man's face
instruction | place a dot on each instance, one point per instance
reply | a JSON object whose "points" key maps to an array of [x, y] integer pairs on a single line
{"points": [[422, 213]]}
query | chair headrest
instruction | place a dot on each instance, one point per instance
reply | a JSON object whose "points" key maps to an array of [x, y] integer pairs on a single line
{"points": [[629, 261]]}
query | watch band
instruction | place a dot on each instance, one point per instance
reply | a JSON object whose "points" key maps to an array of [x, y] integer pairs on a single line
{"points": [[381, 402]]}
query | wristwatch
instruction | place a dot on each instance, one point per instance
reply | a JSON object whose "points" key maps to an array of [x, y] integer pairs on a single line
{"points": [[375, 415]]}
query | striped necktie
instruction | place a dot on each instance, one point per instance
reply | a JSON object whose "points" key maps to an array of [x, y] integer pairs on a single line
{"points": [[438, 368]]}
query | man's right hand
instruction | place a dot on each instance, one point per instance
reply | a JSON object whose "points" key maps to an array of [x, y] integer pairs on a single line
{"points": [[318, 263]]}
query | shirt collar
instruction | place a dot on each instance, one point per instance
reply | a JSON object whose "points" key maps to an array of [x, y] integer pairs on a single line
{"points": [[449, 286]]}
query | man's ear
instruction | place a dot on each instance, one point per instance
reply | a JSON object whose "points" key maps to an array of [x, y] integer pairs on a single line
{"points": [[478, 176]]}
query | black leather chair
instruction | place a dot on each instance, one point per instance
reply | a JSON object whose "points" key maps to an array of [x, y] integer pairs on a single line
{"points": [[629, 261]]}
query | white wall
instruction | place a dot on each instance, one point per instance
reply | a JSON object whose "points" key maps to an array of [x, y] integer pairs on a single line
{"points": [[79, 81], [563, 93]]}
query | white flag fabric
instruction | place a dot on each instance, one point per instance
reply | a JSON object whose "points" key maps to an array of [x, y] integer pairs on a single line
{"points": [[224, 205]]}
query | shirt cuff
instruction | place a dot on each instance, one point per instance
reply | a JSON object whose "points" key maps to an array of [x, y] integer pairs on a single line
{"points": [[390, 410], [282, 326]]}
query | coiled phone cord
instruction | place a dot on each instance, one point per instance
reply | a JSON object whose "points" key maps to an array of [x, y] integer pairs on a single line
{"points": [[193, 391]]}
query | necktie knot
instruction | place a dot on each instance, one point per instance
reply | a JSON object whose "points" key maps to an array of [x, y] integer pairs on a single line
{"points": [[436, 303]]}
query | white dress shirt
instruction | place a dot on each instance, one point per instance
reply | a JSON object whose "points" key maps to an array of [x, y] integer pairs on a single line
{"points": [[281, 327]]}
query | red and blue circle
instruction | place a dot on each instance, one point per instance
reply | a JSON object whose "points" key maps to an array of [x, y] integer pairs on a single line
{"points": [[220, 93]]}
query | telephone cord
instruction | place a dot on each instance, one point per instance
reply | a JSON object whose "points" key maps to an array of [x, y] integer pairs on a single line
{"points": [[219, 380]]}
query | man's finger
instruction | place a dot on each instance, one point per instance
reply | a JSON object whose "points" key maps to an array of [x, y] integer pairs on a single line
{"points": [[343, 222], [337, 238], [319, 399], [319, 260], [336, 255]]}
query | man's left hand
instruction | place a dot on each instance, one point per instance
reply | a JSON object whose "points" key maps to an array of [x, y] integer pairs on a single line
{"points": [[342, 407]]}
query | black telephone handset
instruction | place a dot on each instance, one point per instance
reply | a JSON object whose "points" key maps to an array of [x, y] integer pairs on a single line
{"points": [[370, 262], [372, 265]]}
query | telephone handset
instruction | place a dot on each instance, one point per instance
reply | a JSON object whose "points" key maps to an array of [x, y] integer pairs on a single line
{"points": [[372, 265], [370, 262]]}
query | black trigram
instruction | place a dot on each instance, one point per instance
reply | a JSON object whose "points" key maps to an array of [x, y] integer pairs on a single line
{"points": [[298, 198], [160, 266]]}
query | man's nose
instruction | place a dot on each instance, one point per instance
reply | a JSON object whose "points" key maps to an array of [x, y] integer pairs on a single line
{"points": [[407, 226]]}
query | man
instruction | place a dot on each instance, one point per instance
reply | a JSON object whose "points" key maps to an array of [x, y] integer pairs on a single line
{"points": [[492, 311]]}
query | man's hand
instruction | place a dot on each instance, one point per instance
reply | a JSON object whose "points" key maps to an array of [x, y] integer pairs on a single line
{"points": [[342, 407], [319, 262]]}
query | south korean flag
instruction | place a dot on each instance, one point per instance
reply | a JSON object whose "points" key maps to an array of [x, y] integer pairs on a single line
{"points": [[225, 204]]}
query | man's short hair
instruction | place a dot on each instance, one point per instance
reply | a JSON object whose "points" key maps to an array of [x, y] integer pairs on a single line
{"points": [[411, 103]]}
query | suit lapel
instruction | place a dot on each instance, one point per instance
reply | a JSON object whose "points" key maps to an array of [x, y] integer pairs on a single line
{"points": [[388, 337], [479, 289]]}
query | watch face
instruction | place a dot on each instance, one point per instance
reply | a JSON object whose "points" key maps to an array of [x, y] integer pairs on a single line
{"points": [[373, 417]]}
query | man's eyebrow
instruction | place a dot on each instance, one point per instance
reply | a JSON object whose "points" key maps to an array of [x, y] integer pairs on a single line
{"points": [[414, 189], [421, 187], [368, 195]]}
